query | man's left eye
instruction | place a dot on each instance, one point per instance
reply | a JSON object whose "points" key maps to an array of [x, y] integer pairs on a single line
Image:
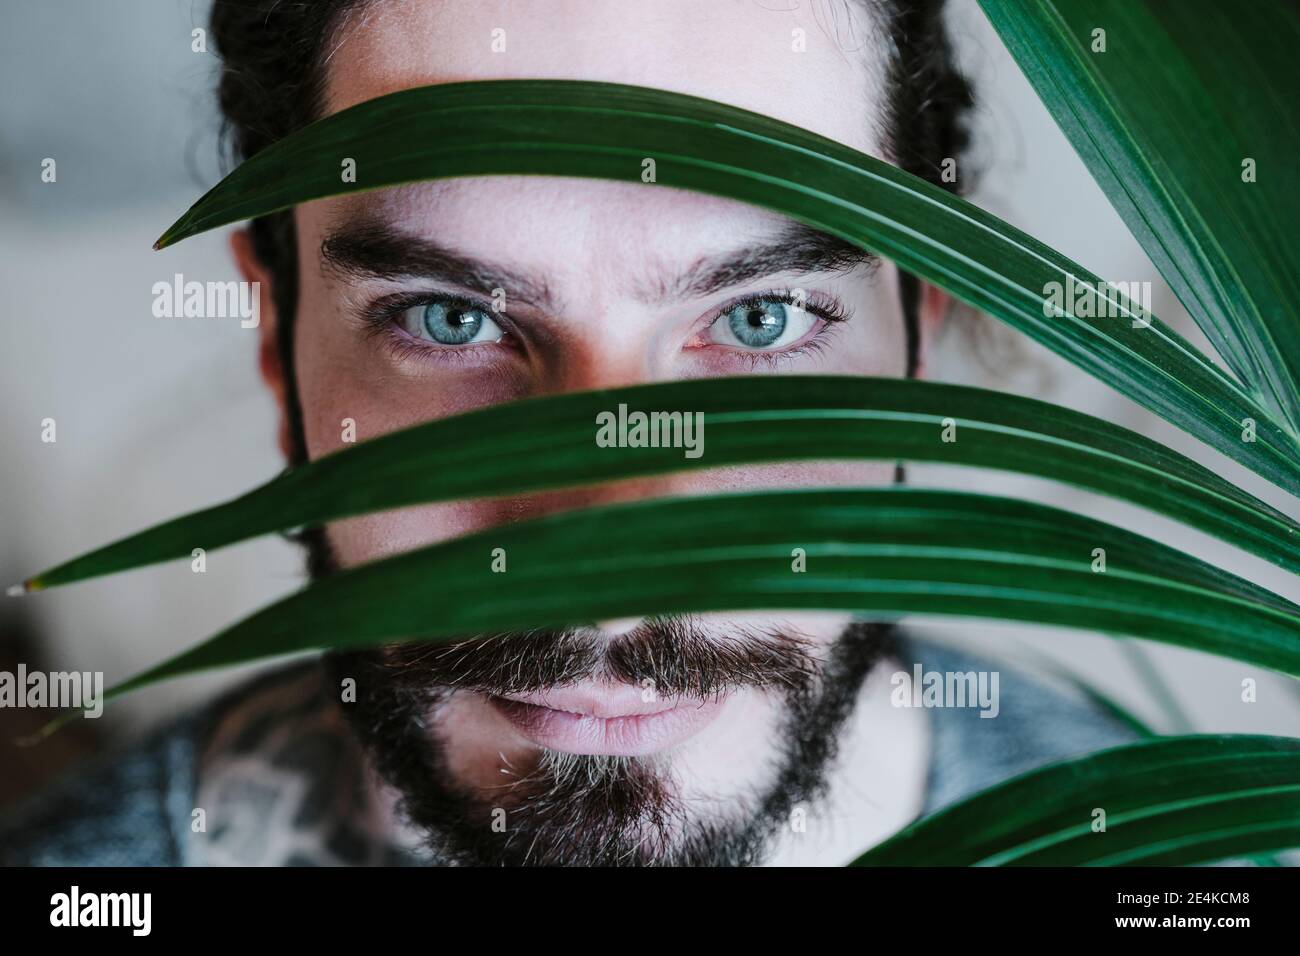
{"points": [[766, 324]]}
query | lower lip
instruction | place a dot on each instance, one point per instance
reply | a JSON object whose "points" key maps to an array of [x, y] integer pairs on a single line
{"points": [[631, 736]]}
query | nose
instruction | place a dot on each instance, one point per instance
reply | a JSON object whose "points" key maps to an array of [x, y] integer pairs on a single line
{"points": [[622, 354], [585, 370]]}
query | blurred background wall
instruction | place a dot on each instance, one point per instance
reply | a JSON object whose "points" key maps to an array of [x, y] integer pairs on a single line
{"points": [[156, 416]]}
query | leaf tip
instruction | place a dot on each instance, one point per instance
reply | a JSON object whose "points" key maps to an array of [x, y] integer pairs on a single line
{"points": [[52, 727], [168, 236], [25, 587]]}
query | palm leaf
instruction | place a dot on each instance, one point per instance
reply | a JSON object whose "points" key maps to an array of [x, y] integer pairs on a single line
{"points": [[756, 419], [1164, 118], [1167, 801], [883, 552], [573, 128]]}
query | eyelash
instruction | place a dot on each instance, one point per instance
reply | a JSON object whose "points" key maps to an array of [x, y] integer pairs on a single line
{"points": [[380, 318]]}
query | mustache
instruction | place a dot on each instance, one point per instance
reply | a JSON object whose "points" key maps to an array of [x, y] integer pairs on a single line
{"points": [[675, 656]]}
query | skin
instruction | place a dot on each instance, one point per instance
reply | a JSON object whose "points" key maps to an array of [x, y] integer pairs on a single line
{"points": [[601, 249]]}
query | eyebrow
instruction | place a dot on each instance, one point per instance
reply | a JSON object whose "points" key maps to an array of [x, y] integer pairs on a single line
{"points": [[377, 250], [798, 249]]}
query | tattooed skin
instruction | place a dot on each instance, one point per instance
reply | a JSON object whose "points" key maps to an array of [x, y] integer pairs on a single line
{"points": [[283, 783]]}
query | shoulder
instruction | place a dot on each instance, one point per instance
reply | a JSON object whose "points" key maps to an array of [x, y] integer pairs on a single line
{"points": [[131, 807], [117, 811], [1035, 724]]}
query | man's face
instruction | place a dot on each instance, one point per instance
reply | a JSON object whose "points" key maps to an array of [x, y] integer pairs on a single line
{"points": [[603, 284]]}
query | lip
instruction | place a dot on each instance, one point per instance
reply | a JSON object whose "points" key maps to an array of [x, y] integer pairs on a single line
{"points": [[606, 719]]}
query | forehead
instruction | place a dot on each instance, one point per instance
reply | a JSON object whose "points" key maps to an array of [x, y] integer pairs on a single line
{"points": [[818, 64], [813, 63]]}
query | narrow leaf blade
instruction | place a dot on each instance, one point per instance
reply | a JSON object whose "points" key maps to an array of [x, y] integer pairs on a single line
{"points": [[1187, 121], [1167, 801], [883, 552], [746, 420]]}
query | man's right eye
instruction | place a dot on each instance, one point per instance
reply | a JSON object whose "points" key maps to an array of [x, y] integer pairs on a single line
{"points": [[449, 323]]}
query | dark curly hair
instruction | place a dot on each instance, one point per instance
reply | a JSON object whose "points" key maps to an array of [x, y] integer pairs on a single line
{"points": [[272, 53]]}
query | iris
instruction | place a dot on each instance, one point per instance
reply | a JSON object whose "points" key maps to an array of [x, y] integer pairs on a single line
{"points": [[758, 326], [450, 324]]}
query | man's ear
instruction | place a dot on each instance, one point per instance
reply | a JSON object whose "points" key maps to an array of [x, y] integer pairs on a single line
{"points": [[935, 306], [268, 352]]}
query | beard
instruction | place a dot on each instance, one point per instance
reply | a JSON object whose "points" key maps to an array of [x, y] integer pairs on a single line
{"points": [[590, 809]]}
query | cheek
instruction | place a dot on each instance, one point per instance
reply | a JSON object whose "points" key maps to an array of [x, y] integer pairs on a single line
{"points": [[370, 537]]}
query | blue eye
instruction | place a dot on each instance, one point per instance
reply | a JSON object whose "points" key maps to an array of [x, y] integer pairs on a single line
{"points": [[450, 322], [761, 324]]}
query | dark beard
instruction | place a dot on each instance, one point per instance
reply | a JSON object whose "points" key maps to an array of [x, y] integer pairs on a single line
{"points": [[593, 810]]}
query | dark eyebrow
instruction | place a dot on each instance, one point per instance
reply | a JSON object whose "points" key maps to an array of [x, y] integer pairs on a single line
{"points": [[377, 250], [798, 249]]}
